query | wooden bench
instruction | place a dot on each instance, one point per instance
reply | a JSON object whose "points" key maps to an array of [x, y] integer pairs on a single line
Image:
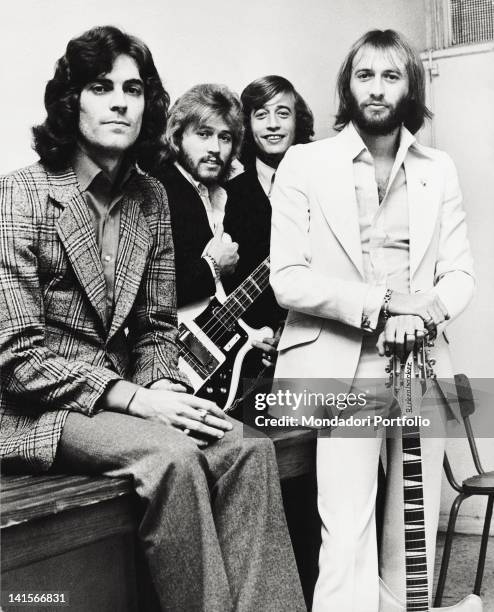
{"points": [[76, 534]]}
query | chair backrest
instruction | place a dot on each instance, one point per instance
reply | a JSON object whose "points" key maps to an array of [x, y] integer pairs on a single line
{"points": [[465, 396], [467, 408]]}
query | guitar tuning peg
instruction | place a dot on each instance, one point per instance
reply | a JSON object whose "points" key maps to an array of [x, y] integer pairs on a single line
{"points": [[387, 369], [430, 343], [432, 362]]}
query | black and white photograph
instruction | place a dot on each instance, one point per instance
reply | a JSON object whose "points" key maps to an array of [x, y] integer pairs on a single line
{"points": [[247, 306]]}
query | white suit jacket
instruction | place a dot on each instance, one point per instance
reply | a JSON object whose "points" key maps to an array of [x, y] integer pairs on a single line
{"points": [[316, 253]]}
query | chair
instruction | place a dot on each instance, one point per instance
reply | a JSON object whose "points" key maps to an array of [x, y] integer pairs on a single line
{"points": [[481, 483]]}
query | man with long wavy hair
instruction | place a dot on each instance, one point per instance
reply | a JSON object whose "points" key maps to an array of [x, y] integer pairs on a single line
{"points": [[369, 250], [88, 360]]}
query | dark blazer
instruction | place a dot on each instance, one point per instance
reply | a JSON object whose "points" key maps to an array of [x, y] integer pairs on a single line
{"points": [[248, 221], [56, 351], [191, 233]]}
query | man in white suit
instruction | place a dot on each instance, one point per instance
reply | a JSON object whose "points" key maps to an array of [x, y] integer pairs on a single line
{"points": [[369, 247]]}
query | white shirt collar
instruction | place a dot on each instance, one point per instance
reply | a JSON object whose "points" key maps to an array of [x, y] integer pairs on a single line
{"points": [[265, 174], [196, 184], [213, 198], [355, 145]]}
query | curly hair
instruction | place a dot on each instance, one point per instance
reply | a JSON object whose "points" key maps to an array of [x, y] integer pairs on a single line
{"points": [[88, 57], [260, 91], [195, 107], [385, 40]]}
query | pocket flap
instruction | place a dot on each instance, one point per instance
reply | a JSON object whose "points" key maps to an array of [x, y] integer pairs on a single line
{"points": [[300, 330]]}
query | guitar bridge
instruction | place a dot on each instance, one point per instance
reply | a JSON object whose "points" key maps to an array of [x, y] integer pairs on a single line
{"points": [[197, 349]]}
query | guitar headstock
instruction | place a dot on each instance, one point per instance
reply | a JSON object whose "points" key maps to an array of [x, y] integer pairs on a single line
{"points": [[415, 366]]}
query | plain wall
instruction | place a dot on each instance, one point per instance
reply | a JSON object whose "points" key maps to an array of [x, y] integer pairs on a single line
{"points": [[230, 42], [462, 98]]}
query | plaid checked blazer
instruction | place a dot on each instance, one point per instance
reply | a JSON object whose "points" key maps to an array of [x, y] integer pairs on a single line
{"points": [[56, 352]]}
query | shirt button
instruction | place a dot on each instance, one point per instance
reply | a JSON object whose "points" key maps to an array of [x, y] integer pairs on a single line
{"points": [[107, 258]]}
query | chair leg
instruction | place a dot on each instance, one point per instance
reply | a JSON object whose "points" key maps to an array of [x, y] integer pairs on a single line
{"points": [[447, 548], [483, 546]]}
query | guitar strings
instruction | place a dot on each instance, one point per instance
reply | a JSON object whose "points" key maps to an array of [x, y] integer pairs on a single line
{"points": [[260, 278], [240, 303], [222, 319]]}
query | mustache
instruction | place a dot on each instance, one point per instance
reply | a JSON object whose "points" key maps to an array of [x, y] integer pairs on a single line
{"points": [[213, 158], [372, 101]]}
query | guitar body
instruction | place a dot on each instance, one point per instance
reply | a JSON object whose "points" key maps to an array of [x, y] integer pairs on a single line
{"points": [[389, 603], [212, 353], [191, 311], [214, 340]]}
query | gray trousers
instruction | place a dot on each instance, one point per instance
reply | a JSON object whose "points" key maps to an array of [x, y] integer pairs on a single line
{"points": [[213, 529]]}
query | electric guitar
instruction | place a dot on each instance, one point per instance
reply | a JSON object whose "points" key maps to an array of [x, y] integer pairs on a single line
{"points": [[410, 380], [213, 340]]}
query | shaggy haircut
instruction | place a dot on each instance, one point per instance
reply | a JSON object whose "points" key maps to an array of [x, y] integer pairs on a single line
{"points": [[87, 58], [387, 41], [255, 96], [196, 107]]}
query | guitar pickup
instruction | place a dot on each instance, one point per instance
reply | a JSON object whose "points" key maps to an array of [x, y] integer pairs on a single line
{"points": [[198, 350]]}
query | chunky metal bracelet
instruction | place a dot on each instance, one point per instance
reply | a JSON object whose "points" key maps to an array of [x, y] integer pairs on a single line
{"points": [[215, 265], [387, 299]]}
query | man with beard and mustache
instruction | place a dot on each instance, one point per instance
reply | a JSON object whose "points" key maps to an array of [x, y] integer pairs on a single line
{"points": [[369, 249], [204, 133]]}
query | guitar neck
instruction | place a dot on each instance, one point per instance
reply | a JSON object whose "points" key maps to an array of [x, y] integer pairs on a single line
{"points": [[244, 295], [415, 549], [410, 385]]}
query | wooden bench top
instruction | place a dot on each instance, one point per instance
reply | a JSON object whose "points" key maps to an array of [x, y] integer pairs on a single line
{"points": [[30, 497], [25, 498]]}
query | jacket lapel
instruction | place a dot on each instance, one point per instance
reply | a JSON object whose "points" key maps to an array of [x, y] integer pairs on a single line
{"points": [[422, 205], [133, 250], [339, 203], [76, 233]]}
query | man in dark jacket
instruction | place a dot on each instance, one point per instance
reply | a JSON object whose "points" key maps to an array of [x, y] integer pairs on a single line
{"points": [[275, 117], [203, 135]]}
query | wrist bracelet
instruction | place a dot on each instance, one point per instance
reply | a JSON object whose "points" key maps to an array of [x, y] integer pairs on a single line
{"points": [[387, 299], [127, 408], [215, 265]]}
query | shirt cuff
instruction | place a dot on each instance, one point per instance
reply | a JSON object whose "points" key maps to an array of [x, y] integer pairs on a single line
{"points": [[372, 307]]}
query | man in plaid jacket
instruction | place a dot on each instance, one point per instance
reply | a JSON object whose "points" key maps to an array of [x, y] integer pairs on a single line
{"points": [[88, 361]]}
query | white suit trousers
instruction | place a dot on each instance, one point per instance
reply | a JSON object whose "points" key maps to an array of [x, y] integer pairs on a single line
{"points": [[347, 484]]}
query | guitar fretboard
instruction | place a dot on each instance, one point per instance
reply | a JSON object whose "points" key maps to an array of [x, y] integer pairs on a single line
{"points": [[245, 294], [415, 549], [238, 301], [409, 380]]}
